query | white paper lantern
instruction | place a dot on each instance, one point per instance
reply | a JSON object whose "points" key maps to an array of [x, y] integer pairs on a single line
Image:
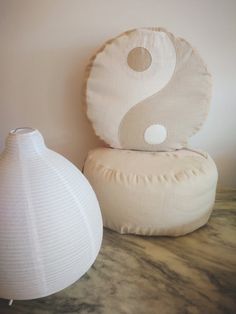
{"points": [[50, 221]]}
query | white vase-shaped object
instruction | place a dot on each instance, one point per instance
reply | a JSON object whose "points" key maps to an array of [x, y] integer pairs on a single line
{"points": [[50, 220]]}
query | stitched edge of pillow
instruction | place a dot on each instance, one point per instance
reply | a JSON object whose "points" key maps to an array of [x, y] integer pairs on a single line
{"points": [[108, 42]]}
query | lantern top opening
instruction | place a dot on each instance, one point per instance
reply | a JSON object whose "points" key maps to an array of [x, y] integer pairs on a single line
{"points": [[22, 130]]}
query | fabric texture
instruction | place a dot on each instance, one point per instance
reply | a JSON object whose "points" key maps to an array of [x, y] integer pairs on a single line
{"points": [[142, 78], [152, 193]]}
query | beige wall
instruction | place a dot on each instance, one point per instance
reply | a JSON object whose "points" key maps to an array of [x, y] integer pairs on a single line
{"points": [[45, 45]]}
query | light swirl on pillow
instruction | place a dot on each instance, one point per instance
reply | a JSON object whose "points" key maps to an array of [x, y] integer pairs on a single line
{"points": [[144, 79]]}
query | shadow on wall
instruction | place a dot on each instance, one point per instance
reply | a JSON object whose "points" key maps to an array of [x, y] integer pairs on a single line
{"points": [[47, 95], [78, 136], [225, 164]]}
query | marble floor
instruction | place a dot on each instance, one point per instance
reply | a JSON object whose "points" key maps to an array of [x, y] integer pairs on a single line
{"points": [[155, 275]]}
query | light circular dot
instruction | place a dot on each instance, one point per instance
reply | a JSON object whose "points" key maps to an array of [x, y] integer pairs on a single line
{"points": [[139, 59], [155, 134]]}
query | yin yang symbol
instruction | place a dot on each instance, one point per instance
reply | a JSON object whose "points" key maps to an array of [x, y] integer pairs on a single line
{"points": [[147, 90]]}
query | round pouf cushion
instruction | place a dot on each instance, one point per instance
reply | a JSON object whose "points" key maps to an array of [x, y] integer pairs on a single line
{"points": [[153, 193]]}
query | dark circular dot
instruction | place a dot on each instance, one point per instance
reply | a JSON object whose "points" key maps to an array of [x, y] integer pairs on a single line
{"points": [[139, 59]]}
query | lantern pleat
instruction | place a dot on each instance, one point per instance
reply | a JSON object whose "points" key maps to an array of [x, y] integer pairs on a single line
{"points": [[50, 221]]}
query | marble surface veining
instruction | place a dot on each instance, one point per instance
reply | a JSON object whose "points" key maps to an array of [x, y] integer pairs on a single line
{"points": [[193, 274]]}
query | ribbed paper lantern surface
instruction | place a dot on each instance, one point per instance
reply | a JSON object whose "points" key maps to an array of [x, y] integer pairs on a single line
{"points": [[50, 221]]}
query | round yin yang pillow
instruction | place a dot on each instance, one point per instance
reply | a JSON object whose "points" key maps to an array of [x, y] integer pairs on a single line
{"points": [[147, 90]]}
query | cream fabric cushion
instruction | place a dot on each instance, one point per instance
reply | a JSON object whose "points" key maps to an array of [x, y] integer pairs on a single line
{"points": [[152, 193], [147, 90]]}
